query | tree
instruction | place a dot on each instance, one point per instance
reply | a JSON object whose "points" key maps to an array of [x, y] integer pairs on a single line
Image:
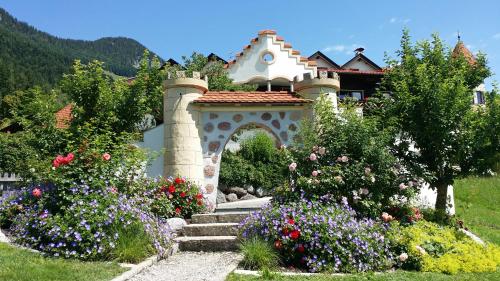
{"points": [[432, 110], [218, 78]]}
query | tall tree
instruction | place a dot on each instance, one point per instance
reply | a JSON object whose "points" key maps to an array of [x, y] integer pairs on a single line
{"points": [[432, 110]]}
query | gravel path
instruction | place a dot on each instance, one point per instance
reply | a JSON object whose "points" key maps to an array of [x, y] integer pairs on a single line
{"points": [[191, 266]]}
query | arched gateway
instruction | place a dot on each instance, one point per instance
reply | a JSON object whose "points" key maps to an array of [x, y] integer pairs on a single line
{"points": [[198, 123]]}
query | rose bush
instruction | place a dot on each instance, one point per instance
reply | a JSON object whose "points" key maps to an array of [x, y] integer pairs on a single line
{"points": [[347, 156], [321, 235], [175, 197]]}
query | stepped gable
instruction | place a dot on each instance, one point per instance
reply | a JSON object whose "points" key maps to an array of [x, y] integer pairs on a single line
{"points": [[264, 41]]}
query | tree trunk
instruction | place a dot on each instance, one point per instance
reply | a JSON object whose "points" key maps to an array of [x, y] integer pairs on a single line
{"points": [[442, 196]]}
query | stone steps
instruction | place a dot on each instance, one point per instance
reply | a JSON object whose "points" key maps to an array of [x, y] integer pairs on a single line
{"points": [[219, 217], [207, 243], [212, 232], [211, 229]]}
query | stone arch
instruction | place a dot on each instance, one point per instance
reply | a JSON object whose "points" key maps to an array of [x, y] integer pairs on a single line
{"points": [[276, 139], [217, 127]]}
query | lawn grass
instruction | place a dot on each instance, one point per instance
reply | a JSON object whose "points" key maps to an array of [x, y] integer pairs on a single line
{"points": [[22, 265], [477, 204], [398, 275]]}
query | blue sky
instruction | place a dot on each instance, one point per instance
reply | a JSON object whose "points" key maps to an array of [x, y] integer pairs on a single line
{"points": [[176, 28]]}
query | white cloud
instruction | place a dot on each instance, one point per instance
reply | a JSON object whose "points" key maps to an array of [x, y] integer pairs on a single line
{"points": [[399, 20], [346, 49], [334, 48], [496, 36]]}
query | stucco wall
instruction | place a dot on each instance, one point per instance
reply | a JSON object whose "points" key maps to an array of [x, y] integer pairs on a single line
{"points": [[153, 142]]}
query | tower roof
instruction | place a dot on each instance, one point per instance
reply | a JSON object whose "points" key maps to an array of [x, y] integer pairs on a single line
{"points": [[461, 50]]}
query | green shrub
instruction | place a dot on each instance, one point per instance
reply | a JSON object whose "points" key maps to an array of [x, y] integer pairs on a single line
{"points": [[175, 197], [259, 254], [258, 163], [346, 156], [133, 244], [433, 248]]}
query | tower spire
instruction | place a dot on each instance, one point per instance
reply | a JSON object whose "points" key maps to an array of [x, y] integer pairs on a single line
{"points": [[458, 35]]}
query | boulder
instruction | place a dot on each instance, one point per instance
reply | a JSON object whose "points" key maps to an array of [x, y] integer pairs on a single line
{"points": [[222, 187], [239, 191], [249, 188], [176, 224], [221, 197], [259, 192], [248, 197], [231, 197], [3, 238]]}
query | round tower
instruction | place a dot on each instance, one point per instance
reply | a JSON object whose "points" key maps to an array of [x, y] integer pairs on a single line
{"points": [[182, 119], [327, 83]]}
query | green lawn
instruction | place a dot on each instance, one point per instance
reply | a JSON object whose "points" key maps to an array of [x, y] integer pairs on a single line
{"points": [[399, 275], [23, 265], [477, 202]]}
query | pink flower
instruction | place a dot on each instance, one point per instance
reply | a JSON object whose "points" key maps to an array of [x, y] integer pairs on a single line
{"points": [[113, 189], [344, 159], [314, 173], [322, 151], [106, 156], [368, 171], [313, 157], [292, 167], [403, 257], [402, 186], [364, 191], [37, 192], [69, 157], [386, 217]]}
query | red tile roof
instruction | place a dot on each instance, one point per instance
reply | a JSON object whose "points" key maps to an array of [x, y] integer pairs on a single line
{"points": [[225, 97], [63, 117], [461, 49]]}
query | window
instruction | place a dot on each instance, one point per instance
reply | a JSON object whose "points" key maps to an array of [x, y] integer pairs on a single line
{"points": [[267, 57], [355, 94], [478, 97]]}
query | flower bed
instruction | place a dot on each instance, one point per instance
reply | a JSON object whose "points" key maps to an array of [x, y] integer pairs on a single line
{"points": [[321, 236]]}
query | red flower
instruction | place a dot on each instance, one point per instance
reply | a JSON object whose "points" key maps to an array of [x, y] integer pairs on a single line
{"points": [[300, 248], [199, 202], [295, 234], [178, 210], [163, 189], [37, 192], [55, 163], [171, 189], [199, 196], [106, 156], [285, 231], [277, 244], [69, 157], [183, 194], [291, 221], [179, 180]]}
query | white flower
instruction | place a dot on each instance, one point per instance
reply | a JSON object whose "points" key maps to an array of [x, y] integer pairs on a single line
{"points": [[322, 151], [421, 250], [364, 191], [403, 257]]}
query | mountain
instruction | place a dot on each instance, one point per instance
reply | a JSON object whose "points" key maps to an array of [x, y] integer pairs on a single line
{"points": [[31, 57]]}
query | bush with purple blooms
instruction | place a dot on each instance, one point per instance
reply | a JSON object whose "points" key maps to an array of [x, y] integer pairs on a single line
{"points": [[89, 227], [321, 236], [347, 156]]}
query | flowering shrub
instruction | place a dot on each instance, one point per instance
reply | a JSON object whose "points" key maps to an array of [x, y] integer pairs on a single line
{"points": [[427, 246], [88, 227], [346, 156], [321, 236], [175, 197]]}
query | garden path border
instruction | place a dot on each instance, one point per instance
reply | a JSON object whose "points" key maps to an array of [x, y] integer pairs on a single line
{"points": [[138, 268]]}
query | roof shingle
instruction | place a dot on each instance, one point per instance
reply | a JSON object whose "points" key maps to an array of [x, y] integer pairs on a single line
{"points": [[226, 97]]}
